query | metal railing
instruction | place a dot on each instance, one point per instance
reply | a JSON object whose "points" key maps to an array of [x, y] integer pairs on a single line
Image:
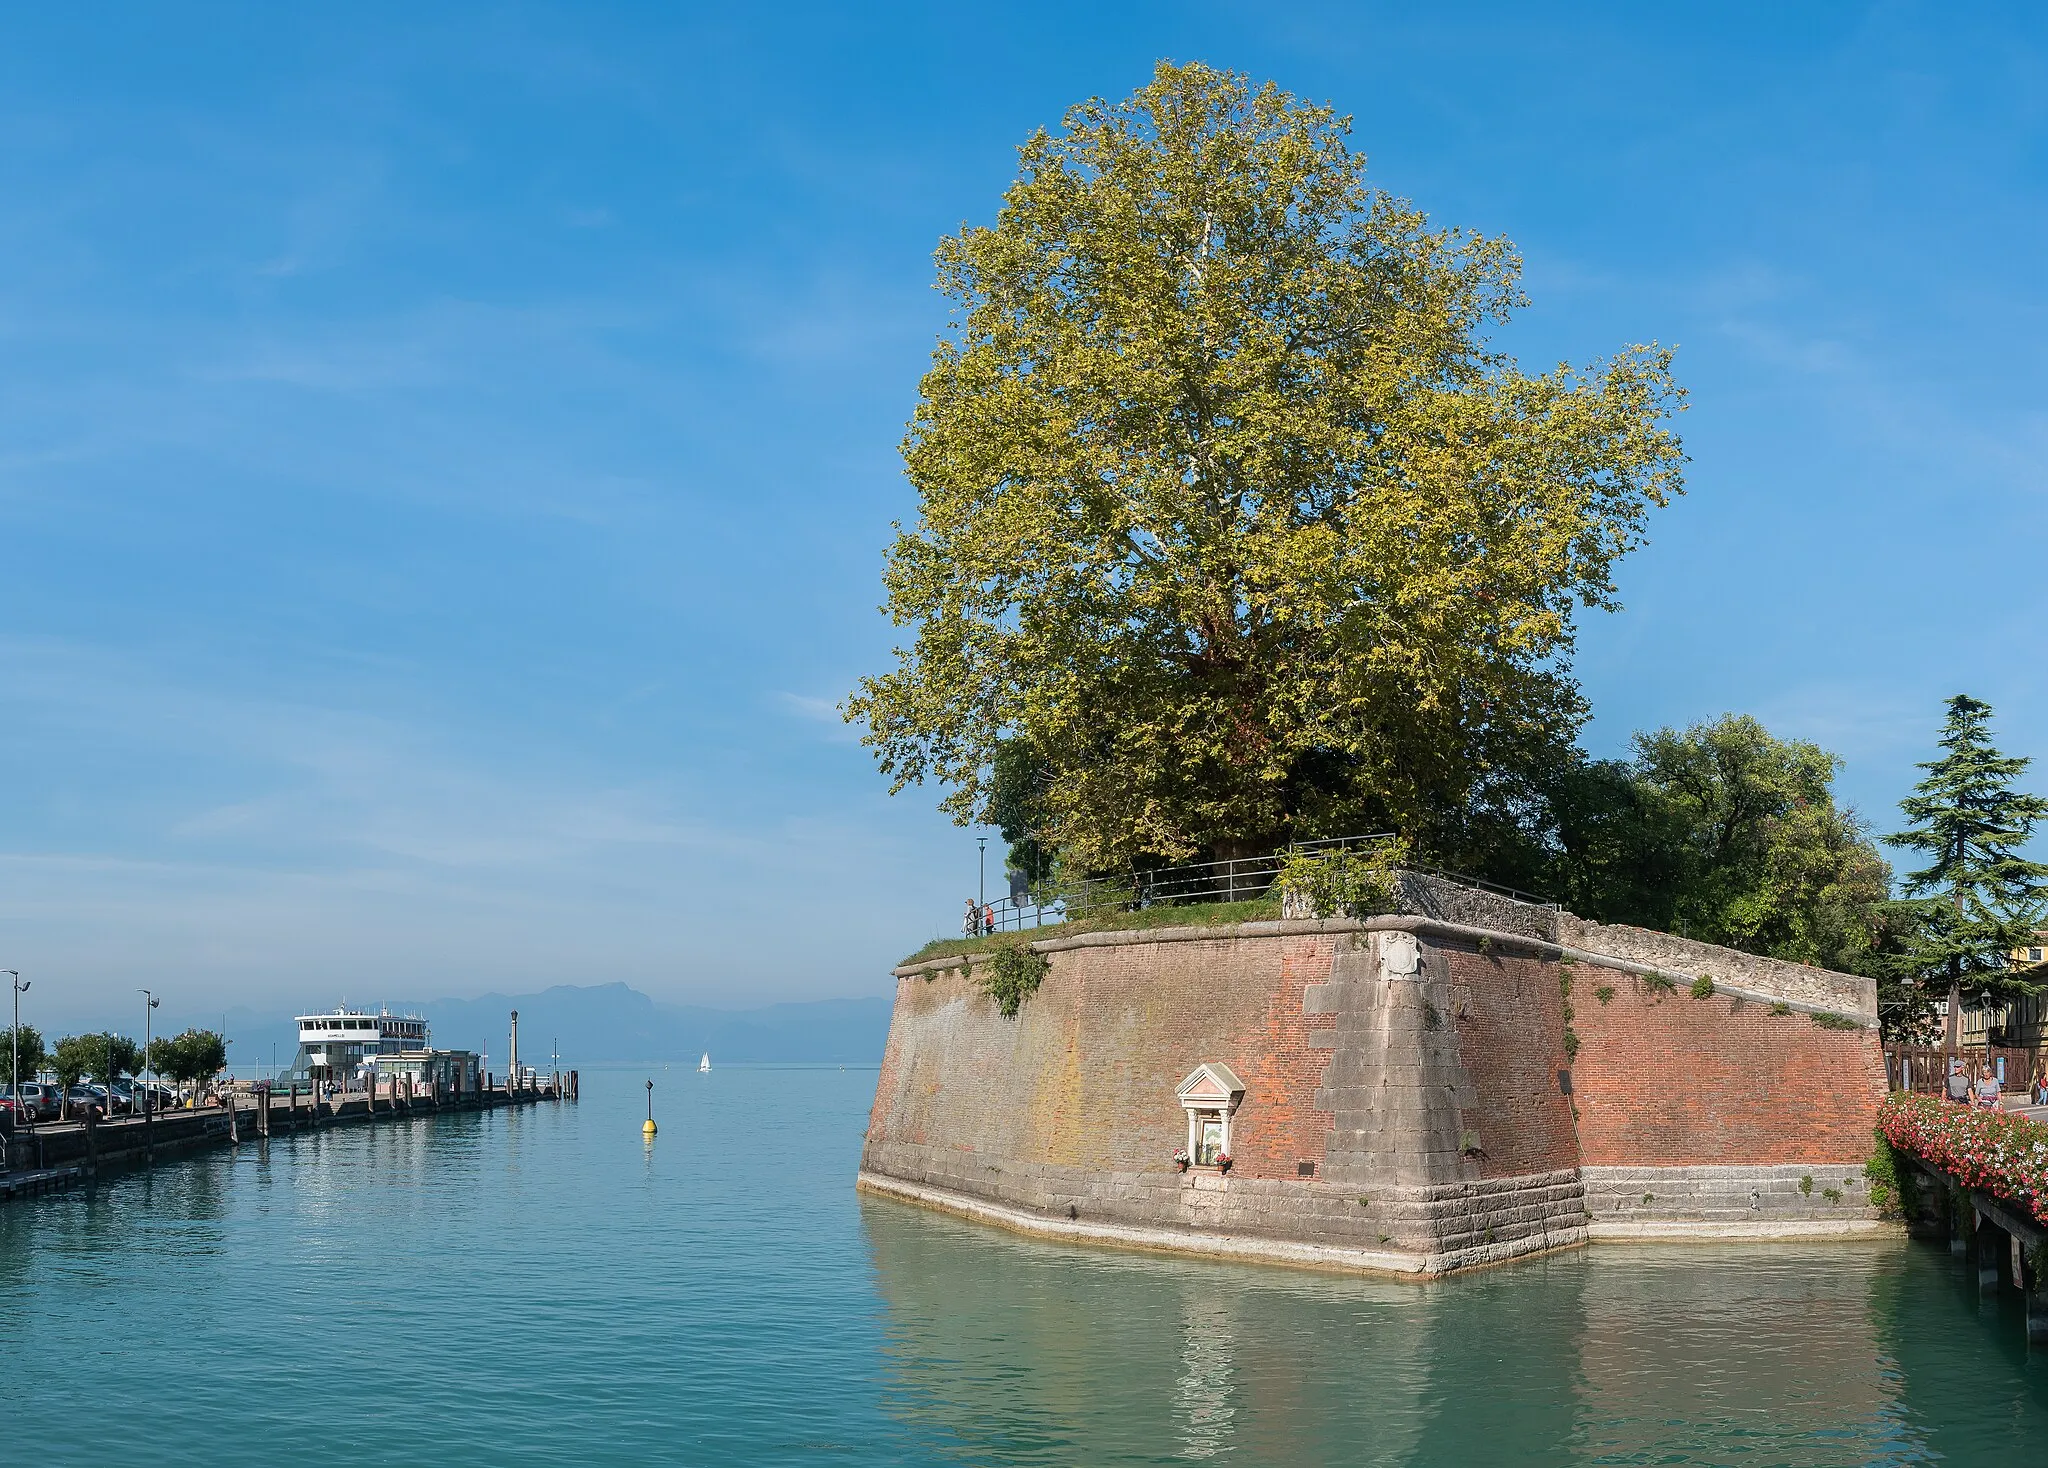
{"points": [[1239, 879]]}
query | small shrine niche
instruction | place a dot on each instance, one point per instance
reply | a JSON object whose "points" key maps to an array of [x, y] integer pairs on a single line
{"points": [[1209, 1096]]}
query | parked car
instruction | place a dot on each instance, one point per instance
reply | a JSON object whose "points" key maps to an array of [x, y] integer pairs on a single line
{"points": [[39, 1102], [111, 1102], [82, 1102]]}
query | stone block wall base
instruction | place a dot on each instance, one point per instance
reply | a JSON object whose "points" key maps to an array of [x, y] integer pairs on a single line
{"points": [[1778, 1201], [1394, 1263]]}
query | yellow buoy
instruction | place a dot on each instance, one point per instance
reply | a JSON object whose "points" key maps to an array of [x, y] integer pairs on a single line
{"points": [[647, 1127]]}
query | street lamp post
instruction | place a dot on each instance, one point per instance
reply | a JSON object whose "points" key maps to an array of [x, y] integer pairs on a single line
{"points": [[981, 842], [14, 1040], [148, 1037]]}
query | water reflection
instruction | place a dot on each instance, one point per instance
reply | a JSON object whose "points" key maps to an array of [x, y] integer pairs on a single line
{"points": [[1208, 1362], [1007, 1350]]}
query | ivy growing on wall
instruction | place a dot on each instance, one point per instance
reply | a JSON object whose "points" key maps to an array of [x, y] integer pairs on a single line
{"points": [[1011, 974]]}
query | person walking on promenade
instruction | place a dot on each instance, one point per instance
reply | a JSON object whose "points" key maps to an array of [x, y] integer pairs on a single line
{"points": [[1958, 1083], [1987, 1088], [970, 923]]}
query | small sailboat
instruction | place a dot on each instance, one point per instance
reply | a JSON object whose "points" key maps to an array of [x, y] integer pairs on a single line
{"points": [[704, 1064]]}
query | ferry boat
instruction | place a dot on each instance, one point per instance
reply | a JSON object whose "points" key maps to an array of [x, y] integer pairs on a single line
{"points": [[346, 1042]]}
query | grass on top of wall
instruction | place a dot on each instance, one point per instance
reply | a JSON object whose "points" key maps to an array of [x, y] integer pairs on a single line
{"points": [[1190, 915]]}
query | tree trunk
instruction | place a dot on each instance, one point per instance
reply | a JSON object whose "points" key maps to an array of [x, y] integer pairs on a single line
{"points": [[1955, 1015]]}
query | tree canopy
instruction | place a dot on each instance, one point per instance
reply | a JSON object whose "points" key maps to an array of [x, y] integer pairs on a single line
{"points": [[1977, 900], [28, 1043], [189, 1058], [1727, 834], [100, 1057], [1232, 523]]}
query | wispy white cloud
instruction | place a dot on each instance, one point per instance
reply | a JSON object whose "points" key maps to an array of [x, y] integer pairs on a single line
{"points": [[252, 838], [824, 712]]}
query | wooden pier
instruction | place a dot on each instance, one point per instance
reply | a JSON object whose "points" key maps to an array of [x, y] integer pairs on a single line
{"points": [[2001, 1245], [58, 1155]]}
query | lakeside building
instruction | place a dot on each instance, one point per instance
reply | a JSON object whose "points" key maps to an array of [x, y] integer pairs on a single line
{"points": [[2020, 1025], [449, 1070]]}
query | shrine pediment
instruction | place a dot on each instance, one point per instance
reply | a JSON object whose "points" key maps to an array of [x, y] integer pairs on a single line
{"points": [[1210, 1083]]}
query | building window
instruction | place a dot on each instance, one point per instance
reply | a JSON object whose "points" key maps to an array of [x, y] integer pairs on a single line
{"points": [[1210, 1095], [2033, 955]]}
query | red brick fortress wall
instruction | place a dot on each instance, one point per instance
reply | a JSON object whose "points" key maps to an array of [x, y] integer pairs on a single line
{"points": [[1722, 1114], [1084, 1075], [1510, 1013], [1667, 1080], [1417, 1114], [1419, 1095]]}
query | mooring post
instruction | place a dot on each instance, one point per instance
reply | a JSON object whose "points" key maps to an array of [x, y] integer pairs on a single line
{"points": [[1985, 1255], [2036, 1296], [234, 1136]]}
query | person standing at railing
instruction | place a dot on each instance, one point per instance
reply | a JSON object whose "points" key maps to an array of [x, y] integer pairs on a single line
{"points": [[970, 924], [988, 918]]}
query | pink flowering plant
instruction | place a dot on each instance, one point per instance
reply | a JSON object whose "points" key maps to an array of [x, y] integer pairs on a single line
{"points": [[2004, 1155]]}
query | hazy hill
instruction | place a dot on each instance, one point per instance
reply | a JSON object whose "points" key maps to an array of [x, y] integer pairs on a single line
{"points": [[614, 1022]]}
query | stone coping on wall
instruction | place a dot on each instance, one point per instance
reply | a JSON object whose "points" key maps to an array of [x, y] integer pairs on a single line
{"points": [[1395, 1263], [1796, 983], [1812, 991]]}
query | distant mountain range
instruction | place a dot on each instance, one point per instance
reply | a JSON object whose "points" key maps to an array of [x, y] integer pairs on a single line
{"points": [[611, 1022]]}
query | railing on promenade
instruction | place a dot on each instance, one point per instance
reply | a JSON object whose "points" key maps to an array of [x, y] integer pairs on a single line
{"points": [[1923, 1068], [1240, 879]]}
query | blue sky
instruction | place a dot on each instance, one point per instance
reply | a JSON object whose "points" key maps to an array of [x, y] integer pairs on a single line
{"points": [[445, 459]]}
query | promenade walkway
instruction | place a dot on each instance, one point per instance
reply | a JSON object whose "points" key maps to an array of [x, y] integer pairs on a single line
{"points": [[60, 1154]]}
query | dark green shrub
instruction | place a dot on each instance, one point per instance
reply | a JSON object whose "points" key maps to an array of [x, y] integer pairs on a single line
{"points": [[1010, 975]]}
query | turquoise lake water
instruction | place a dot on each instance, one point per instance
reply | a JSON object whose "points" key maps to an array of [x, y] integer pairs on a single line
{"points": [[540, 1285]]}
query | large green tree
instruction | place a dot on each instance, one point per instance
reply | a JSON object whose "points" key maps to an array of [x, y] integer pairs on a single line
{"points": [[191, 1058], [101, 1057], [1977, 900], [1228, 508], [27, 1042], [1728, 834]]}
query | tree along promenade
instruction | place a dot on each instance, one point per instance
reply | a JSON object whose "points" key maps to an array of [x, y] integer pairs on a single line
{"points": [[61, 1154]]}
